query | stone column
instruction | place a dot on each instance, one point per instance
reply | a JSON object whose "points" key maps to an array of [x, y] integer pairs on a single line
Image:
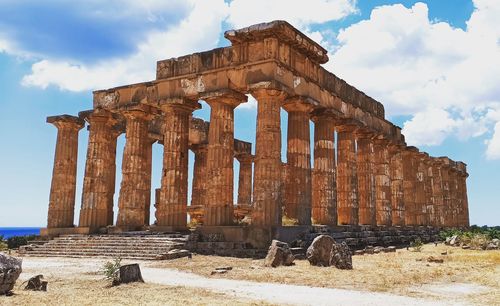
{"points": [[397, 186], [267, 167], [63, 186], [172, 207], [454, 197], [445, 177], [149, 170], [199, 185], [136, 174], [245, 179], [429, 195], [462, 184], [298, 186], [324, 194], [98, 182], [409, 184], [220, 159], [347, 195], [383, 193], [366, 178], [420, 195], [115, 132], [437, 192]]}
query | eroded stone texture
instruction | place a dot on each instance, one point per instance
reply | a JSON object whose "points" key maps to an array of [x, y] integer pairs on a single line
{"points": [[324, 195], [63, 186], [429, 196], [366, 178], [382, 182], [347, 197], [454, 196], [437, 193], [420, 195], [199, 184], [298, 184], [220, 159], [98, 178], [172, 207], [136, 170], [409, 184], [445, 177], [245, 179], [462, 187], [267, 168], [397, 186]]}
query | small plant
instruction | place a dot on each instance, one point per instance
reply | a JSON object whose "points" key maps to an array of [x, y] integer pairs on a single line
{"points": [[3, 246], [286, 221], [111, 271], [417, 245]]}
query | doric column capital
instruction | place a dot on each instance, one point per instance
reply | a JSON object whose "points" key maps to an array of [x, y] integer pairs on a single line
{"points": [[300, 104], [364, 133], [66, 122], [176, 105], [244, 158], [325, 114], [226, 96], [98, 115], [138, 111], [199, 148], [260, 93], [346, 127]]}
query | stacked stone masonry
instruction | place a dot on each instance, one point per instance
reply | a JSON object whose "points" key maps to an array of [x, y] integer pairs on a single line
{"points": [[361, 172]]}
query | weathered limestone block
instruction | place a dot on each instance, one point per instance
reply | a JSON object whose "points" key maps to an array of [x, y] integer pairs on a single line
{"points": [[366, 179], [347, 195], [63, 186], [136, 170], [462, 184], [130, 273], [267, 168], [199, 184], [409, 184], [437, 192], [383, 193], [445, 177], [245, 179], [298, 185], [325, 252], [420, 195], [10, 269], [397, 188], [279, 254], [220, 158], [98, 182], [324, 200], [454, 195], [172, 207], [429, 196]]}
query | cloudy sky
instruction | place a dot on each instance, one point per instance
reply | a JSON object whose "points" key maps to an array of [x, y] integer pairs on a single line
{"points": [[434, 64]]}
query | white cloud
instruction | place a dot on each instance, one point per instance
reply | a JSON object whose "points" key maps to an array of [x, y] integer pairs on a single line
{"points": [[445, 77], [199, 30], [493, 149], [244, 13]]}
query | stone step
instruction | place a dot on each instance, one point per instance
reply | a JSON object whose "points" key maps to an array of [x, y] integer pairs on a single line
{"points": [[114, 243], [92, 252], [121, 239], [145, 250], [125, 256]]}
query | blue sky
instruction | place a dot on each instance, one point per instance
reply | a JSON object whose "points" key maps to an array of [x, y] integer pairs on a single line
{"points": [[434, 64]]}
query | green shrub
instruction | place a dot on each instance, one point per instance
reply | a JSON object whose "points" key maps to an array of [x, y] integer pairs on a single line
{"points": [[15, 242], [111, 270], [417, 245], [3, 246]]}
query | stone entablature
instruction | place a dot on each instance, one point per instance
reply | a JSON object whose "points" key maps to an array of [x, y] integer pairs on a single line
{"points": [[360, 173]]}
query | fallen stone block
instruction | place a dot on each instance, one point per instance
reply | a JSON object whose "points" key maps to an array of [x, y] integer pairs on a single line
{"points": [[130, 273], [279, 254], [36, 283], [10, 269]]}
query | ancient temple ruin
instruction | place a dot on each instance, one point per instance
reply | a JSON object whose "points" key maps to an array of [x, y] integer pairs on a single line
{"points": [[361, 172]]}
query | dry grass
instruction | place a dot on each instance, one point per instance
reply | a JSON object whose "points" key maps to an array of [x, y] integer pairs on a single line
{"points": [[399, 272], [97, 292]]}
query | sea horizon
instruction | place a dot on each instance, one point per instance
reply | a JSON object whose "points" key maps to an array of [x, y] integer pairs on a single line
{"points": [[11, 231]]}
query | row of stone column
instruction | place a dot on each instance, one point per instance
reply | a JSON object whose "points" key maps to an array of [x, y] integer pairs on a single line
{"points": [[372, 182]]}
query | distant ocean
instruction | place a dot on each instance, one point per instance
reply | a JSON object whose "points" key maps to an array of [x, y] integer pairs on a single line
{"points": [[18, 231]]}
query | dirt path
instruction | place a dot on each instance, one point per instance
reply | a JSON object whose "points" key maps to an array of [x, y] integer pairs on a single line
{"points": [[273, 293]]}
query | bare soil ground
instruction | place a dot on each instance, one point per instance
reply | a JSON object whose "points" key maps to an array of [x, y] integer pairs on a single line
{"points": [[468, 276]]}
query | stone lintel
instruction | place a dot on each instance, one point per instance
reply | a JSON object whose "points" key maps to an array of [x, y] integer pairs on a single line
{"points": [[300, 104], [365, 133], [66, 120], [178, 103], [283, 31], [347, 125], [137, 108], [227, 96]]}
